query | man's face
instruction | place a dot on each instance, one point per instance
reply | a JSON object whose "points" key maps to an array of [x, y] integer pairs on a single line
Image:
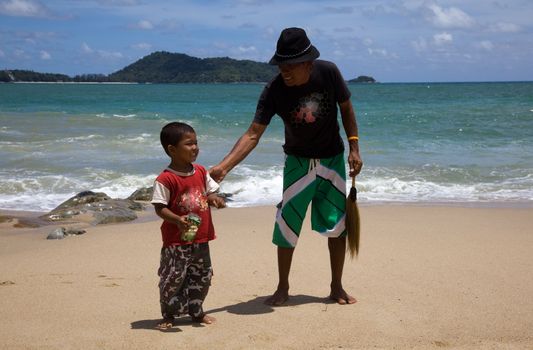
{"points": [[296, 73]]}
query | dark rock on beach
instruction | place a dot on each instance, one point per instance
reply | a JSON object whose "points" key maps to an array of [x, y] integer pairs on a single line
{"points": [[98, 207], [116, 210], [62, 232], [142, 194], [58, 233], [83, 198]]}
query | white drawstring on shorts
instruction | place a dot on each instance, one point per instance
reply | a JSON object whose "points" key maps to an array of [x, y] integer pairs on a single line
{"points": [[313, 163]]}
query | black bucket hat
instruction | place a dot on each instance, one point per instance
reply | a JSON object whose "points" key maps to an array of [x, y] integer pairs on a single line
{"points": [[293, 47]]}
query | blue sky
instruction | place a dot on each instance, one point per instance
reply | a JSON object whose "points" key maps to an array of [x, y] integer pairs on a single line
{"points": [[393, 41]]}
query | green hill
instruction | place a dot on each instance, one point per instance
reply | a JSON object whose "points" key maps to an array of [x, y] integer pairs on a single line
{"points": [[163, 67], [166, 67], [7, 76]]}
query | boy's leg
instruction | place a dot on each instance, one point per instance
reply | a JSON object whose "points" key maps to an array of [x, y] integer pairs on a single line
{"points": [[172, 293], [199, 276]]}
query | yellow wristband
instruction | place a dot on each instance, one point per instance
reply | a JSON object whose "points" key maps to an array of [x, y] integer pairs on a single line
{"points": [[353, 138]]}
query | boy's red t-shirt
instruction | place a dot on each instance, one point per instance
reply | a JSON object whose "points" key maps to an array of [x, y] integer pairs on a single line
{"points": [[184, 194]]}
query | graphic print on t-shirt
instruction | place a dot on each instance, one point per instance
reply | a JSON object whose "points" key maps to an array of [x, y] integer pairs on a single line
{"points": [[193, 200], [310, 108]]}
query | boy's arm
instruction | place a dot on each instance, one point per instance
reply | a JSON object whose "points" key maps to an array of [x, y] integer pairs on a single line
{"points": [[166, 214], [212, 188], [216, 201], [241, 149]]}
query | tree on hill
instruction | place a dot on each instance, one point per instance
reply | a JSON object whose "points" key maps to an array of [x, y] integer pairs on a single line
{"points": [[166, 67], [31, 76]]}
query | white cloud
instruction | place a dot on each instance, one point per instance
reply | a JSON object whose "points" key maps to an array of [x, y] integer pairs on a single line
{"points": [[419, 45], [486, 45], [503, 27], [142, 46], [109, 54], [338, 10], [449, 18], [23, 8], [45, 55], [144, 24], [118, 2], [413, 4], [377, 52], [247, 49], [20, 54], [254, 2], [220, 45], [2, 54], [442, 38], [85, 48]]}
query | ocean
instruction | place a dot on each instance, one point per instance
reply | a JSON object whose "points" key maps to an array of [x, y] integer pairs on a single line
{"points": [[421, 143]]}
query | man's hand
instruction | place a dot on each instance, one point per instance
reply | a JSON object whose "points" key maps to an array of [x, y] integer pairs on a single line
{"points": [[217, 173], [355, 163]]}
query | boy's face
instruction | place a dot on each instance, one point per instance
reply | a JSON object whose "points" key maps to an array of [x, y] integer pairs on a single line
{"points": [[186, 151]]}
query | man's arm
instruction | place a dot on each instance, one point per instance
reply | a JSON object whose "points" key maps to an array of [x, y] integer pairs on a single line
{"points": [[240, 150], [350, 126]]}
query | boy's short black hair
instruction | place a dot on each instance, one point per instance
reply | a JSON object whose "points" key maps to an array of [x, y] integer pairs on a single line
{"points": [[172, 133]]}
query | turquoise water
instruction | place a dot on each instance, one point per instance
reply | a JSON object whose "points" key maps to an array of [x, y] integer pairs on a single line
{"points": [[421, 143]]}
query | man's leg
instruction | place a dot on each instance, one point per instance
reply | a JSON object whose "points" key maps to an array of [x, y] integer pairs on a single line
{"points": [[337, 253], [298, 189], [327, 217], [281, 294]]}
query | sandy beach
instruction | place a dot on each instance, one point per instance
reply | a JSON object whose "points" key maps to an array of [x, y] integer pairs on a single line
{"points": [[426, 277]]}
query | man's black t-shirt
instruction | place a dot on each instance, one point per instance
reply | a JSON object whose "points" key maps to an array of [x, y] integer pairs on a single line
{"points": [[309, 111]]}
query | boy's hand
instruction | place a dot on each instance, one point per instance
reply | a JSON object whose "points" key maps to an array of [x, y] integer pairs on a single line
{"points": [[216, 201], [182, 223]]}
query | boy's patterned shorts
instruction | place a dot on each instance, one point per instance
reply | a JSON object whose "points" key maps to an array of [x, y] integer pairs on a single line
{"points": [[185, 276]]}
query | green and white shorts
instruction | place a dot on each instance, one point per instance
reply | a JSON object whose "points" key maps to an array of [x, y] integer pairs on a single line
{"points": [[321, 182]]}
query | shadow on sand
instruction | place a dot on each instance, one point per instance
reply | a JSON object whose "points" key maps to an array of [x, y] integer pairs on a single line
{"points": [[254, 306]]}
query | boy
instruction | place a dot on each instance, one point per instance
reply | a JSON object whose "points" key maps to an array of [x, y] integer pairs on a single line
{"points": [[182, 195]]}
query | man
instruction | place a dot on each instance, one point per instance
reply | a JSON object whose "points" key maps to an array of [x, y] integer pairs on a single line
{"points": [[305, 95]]}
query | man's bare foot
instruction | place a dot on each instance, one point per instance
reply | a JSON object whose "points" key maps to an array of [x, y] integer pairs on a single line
{"points": [[279, 298], [341, 297], [204, 319], [165, 324]]}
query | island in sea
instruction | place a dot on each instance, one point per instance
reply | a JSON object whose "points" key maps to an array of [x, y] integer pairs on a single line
{"points": [[362, 79], [167, 67]]}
